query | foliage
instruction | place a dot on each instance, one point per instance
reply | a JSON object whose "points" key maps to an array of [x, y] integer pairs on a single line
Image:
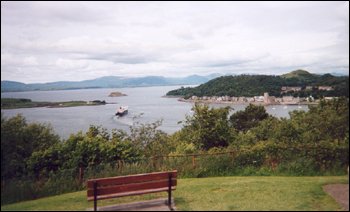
{"points": [[149, 140], [249, 118], [246, 85], [242, 85], [208, 127], [327, 121], [315, 142], [184, 148], [93, 148], [19, 140]]}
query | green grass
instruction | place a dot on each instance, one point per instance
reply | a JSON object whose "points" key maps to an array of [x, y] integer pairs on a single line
{"points": [[218, 193]]}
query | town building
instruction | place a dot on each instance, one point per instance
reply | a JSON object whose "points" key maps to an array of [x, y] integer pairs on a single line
{"points": [[308, 88], [269, 99], [285, 89], [325, 88], [287, 99], [259, 98]]}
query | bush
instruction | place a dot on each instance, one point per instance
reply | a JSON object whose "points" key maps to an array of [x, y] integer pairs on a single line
{"points": [[19, 140]]}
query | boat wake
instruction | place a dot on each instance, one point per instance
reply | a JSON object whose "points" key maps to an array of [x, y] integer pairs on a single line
{"points": [[137, 116], [128, 119]]}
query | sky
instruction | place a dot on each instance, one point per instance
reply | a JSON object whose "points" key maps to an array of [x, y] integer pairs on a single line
{"points": [[73, 41]]}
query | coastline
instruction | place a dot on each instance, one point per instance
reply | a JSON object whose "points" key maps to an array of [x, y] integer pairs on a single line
{"points": [[12, 103], [181, 99]]}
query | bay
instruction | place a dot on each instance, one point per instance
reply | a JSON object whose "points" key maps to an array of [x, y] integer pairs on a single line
{"points": [[146, 105]]}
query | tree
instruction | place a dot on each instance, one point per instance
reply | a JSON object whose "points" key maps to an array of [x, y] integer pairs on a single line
{"points": [[19, 140], [329, 120], [208, 127], [149, 140], [94, 147], [249, 118]]}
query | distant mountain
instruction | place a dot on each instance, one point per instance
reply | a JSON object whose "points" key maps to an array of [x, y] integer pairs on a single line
{"points": [[12, 85], [196, 79], [339, 74], [106, 82], [256, 85]]}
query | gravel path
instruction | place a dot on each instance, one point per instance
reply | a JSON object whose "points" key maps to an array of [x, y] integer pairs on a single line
{"points": [[340, 192]]}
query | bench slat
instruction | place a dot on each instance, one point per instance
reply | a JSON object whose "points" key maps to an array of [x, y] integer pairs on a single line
{"points": [[148, 191], [113, 189], [130, 179]]}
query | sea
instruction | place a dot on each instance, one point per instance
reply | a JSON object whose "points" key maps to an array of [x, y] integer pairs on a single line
{"points": [[146, 105]]}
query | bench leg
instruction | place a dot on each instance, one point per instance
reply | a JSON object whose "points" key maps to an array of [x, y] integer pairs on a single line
{"points": [[169, 193], [95, 196]]}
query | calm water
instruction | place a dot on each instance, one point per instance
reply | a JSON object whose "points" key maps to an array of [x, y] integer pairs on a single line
{"points": [[146, 105]]}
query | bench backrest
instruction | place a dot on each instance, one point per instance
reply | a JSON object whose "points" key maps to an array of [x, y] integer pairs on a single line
{"points": [[106, 188]]}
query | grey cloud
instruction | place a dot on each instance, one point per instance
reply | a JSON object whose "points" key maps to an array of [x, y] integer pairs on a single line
{"points": [[232, 62], [123, 59], [49, 13], [88, 39]]}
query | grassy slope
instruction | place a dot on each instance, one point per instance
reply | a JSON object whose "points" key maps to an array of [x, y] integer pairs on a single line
{"points": [[219, 193], [298, 73]]}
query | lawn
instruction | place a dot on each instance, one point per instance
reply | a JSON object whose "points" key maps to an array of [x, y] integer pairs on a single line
{"points": [[218, 193]]}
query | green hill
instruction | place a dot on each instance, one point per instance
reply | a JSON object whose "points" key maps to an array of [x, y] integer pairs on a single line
{"points": [[299, 74], [256, 85], [242, 85]]}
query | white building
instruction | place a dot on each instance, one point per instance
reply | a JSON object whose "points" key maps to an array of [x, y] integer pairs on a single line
{"points": [[287, 98]]}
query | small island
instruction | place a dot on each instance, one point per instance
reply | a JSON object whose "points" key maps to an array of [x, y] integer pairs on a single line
{"points": [[10, 103], [116, 94]]}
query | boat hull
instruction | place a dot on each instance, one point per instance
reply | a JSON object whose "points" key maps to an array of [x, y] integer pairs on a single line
{"points": [[121, 113]]}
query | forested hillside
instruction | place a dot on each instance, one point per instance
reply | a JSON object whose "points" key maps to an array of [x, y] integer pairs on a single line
{"points": [[256, 85]]}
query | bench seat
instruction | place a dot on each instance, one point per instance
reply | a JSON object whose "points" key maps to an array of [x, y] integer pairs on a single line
{"points": [[113, 187]]}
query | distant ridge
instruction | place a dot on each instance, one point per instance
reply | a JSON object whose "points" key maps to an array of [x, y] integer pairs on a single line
{"points": [[107, 82]]}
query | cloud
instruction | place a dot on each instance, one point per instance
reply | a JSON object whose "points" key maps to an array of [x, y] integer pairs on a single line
{"points": [[47, 41]]}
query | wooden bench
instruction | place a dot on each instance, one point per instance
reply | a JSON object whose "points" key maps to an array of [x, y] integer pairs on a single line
{"points": [[112, 187]]}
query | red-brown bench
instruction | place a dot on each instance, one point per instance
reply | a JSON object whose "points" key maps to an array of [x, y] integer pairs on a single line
{"points": [[112, 187]]}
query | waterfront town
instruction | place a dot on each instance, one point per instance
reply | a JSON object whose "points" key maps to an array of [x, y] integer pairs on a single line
{"points": [[266, 99]]}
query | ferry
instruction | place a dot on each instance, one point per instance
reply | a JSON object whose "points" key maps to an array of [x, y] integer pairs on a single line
{"points": [[122, 111]]}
